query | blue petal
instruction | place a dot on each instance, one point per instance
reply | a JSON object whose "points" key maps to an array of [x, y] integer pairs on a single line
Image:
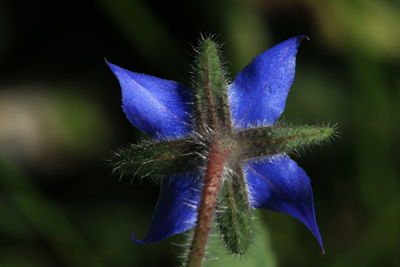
{"points": [[176, 209], [258, 94], [279, 184], [158, 107]]}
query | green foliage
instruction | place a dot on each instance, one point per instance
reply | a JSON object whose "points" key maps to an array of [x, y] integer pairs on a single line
{"points": [[259, 254], [46, 218]]}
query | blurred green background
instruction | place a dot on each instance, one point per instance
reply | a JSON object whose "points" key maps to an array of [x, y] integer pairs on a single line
{"points": [[60, 117]]}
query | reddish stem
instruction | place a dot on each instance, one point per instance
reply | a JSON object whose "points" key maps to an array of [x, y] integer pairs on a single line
{"points": [[212, 186]]}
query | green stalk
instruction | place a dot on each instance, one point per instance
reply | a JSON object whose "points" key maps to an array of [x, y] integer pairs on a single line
{"points": [[212, 186]]}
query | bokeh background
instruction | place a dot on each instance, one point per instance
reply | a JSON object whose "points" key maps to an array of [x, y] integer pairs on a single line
{"points": [[60, 117]]}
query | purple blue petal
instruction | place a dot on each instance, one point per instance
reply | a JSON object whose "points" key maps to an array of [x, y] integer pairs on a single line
{"points": [[258, 94], [279, 184], [176, 209], [158, 107]]}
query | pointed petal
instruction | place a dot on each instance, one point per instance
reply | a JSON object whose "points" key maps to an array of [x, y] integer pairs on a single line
{"points": [[279, 184], [176, 209], [258, 94], [158, 107]]}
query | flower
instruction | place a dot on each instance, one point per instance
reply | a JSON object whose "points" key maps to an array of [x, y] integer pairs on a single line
{"points": [[164, 109]]}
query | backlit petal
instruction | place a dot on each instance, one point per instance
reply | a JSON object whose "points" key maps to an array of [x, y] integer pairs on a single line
{"points": [[176, 209], [279, 184], [158, 107], [258, 94]]}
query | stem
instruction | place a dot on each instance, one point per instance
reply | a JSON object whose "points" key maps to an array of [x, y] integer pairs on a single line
{"points": [[212, 186]]}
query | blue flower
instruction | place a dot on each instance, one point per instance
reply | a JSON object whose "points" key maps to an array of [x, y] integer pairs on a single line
{"points": [[163, 110]]}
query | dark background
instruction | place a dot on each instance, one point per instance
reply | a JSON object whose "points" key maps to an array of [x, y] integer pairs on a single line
{"points": [[60, 117]]}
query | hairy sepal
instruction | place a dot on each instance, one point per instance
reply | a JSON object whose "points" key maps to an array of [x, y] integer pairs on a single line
{"points": [[234, 216], [210, 86], [264, 141], [150, 158]]}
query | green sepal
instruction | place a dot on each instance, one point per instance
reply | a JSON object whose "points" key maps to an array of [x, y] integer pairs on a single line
{"points": [[234, 216], [211, 101], [263, 141], [153, 158]]}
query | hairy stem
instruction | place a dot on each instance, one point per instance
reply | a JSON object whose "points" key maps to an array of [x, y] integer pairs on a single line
{"points": [[212, 186]]}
